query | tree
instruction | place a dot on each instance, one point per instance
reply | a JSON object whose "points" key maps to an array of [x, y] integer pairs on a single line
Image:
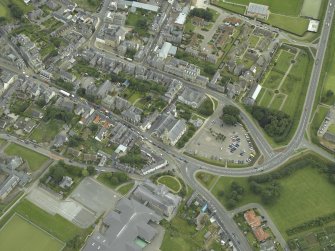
{"points": [[15, 11], [231, 110], [329, 93], [91, 170], [229, 119], [84, 173], [57, 173]]}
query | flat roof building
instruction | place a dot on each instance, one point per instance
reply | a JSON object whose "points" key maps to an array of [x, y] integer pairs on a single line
{"points": [[258, 10], [126, 228], [313, 25]]}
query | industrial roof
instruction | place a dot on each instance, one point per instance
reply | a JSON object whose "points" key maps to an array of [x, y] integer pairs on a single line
{"points": [[124, 226], [258, 8]]}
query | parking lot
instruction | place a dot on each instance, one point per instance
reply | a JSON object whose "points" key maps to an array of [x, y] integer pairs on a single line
{"points": [[95, 196], [217, 141]]}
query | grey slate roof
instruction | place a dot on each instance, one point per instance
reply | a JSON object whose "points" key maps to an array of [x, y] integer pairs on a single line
{"points": [[128, 222]]}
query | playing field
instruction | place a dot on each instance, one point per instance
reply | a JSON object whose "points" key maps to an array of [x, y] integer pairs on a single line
{"points": [[18, 235], [311, 8], [305, 195], [34, 159], [285, 7]]}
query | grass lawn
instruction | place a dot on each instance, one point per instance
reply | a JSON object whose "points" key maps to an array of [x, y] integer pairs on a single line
{"points": [[52, 24], [229, 6], [253, 41], [296, 25], [34, 159], [277, 101], [53, 224], [331, 128], [88, 5], [283, 61], [46, 132], [266, 99], [124, 189], [273, 80], [329, 68], [285, 7], [305, 195], [171, 182], [134, 97], [19, 234]]}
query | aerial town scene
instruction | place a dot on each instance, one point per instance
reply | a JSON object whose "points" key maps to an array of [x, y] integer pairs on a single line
{"points": [[167, 125]]}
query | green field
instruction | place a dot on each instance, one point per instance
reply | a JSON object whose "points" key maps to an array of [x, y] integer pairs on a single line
{"points": [[305, 195], [229, 6], [285, 7], [253, 41], [266, 98], [311, 8], [273, 80], [34, 159], [329, 68], [171, 182], [90, 5], [283, 61], [277, 101], [331, 128], [55, 225], [46, 132], [18, 234], [295, 25], [124, 189]]}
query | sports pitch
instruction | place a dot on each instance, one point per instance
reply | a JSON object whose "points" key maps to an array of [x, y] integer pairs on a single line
{"points": [[19, 235]]}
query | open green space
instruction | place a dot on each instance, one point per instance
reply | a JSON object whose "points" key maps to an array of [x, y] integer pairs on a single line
{"points": [[90, 5], [113, 180], [125, 188], [273, 80], [18, 234], [305, 194], [277, 101], [328, 70], [52, 24], [229, 6], [253, 41], [55, 225], [283, 61], [331, 128], [311, 8], [46, 131], [266, 98], [295, 25], [34, 159], [141, 21], [171, 182], [285, 7]]}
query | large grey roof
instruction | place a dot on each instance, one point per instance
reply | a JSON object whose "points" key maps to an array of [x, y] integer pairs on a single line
{"points": [[258, 8], [128, 222]]}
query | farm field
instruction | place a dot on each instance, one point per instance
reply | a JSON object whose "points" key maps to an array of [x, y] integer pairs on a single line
{"points": [[30, 237], [34, 159], [46, 132], [306, 194]]}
